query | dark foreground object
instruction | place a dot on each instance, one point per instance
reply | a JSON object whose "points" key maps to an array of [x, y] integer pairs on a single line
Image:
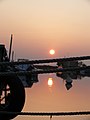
{"points": [[14, 92]]}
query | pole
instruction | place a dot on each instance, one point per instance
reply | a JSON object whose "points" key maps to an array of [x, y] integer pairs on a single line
{"points": [[10, 48]]}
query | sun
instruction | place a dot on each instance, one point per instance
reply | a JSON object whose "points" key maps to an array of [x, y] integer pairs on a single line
{"points": [[50, 82], [52, 51]]}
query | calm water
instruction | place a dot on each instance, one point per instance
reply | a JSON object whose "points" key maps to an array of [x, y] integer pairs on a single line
{"points": [[57, 99]]}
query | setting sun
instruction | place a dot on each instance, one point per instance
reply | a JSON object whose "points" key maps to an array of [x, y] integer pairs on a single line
{"points": [[50, 82], [52, 51]]}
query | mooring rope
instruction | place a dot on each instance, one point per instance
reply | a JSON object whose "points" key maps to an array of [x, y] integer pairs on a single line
{"points": [[41, 71], [45, 60], [46, 113]]}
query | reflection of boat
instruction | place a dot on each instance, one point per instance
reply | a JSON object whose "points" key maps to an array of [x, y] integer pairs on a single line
{"points": [[69, 75]]}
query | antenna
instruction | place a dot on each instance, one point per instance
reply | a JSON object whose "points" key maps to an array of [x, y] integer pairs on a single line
{"points": [[10, 48]]}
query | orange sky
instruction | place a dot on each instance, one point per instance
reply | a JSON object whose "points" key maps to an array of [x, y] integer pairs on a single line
{"points": [[38, 26], [44, 24]]}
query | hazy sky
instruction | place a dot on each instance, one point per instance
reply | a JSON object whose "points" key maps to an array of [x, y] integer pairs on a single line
{"points": [[39, 25]]}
